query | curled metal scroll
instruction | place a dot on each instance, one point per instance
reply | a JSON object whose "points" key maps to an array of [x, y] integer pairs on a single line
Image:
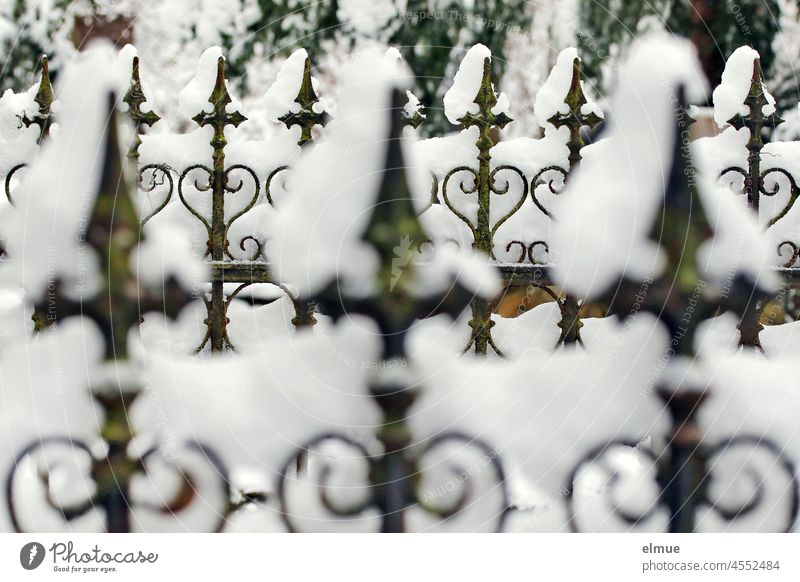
{"points": [[334, 508], [757, 498], [781, 179], [202, 187], [259, 246], [526, 250], [68, 513], [736, 170], [794, 255], [465, 189], [498, 186], [233, 189], [555, 184], [229, 187], [462, 478], [188, 494], [184, 498], [159, 173], [9, 177], [467, 492], [599, 457], [776, 188], [502, 189], [268, 183], [729, 512]]}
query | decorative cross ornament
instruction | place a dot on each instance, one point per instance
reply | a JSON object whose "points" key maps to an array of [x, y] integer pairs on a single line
{"points": [[575, 119], [44, 99], [307, 117], [113, 232], [134, 98], [755, 121], [395, 305]]}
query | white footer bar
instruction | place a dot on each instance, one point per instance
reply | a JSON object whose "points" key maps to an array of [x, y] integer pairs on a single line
{"points": [[395, 558]]}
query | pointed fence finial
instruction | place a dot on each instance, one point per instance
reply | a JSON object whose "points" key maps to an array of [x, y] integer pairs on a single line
{"points": [[44, 99], [307, 117], [134, 98], [755, 121], [575, 118]]}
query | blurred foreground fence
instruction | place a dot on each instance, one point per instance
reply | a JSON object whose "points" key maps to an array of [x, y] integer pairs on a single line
{"points": [[497, 196]]}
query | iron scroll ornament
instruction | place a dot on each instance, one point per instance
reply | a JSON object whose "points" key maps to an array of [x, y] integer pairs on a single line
{"points": [[111, 475], [497, 186], [228, 188], [698, 490], [378, 486], [781, 181]]}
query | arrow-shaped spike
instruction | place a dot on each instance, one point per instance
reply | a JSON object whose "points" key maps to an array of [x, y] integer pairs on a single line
{"points": [[306, 117], [44, 99], [575, 118]]}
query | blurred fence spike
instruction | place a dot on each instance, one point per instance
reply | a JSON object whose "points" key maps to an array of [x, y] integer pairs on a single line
{"points": [[112, 233]]}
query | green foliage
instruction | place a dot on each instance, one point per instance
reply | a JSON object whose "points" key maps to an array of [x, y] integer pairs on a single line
{"points": [[432, 35], [29, 29], [607, 27]]}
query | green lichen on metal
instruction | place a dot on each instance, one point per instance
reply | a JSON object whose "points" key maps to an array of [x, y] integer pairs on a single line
{"points": [[575, 119], [306, 117], [755, 121], [487, 122], [44, 99], [134, 98], [570, 323], [218, 118]]}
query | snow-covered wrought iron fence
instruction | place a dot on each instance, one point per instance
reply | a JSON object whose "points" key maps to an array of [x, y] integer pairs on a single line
{"points": [[487, 185], [381, 427]]}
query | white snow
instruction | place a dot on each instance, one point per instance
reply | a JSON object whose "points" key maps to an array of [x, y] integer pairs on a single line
{"points": [[43, 393], [604, 225], [549, 100], [275, 398], [736, 80], [279, 98], [194, 97], [460, 97], [544, 414], [59, 189], [314, 241]]}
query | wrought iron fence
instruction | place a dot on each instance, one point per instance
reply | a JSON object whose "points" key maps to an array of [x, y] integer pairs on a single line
{"points": [[685, 465]]}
